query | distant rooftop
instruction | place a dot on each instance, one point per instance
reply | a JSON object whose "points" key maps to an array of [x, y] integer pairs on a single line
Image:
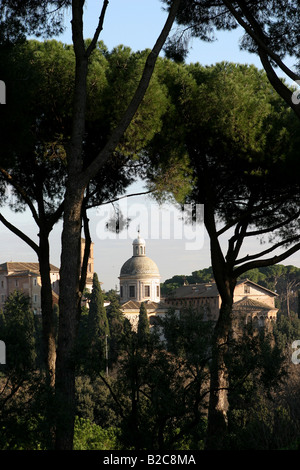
{"points": [[22, 267], [209, 289]]}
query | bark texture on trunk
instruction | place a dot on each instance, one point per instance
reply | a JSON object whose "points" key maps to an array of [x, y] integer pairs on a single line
{"points": [[49, 335], [69, 308], [70, 293], [218, 400]]}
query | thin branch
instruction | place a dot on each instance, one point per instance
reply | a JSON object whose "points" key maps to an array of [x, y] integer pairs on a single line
{"points": [[266, 262], [99, 28], [22, 193], [139, 94], [20, 234], [87, 249], [111, 201], [268, 250], [257, 34], [254, 233], [53, 218]]}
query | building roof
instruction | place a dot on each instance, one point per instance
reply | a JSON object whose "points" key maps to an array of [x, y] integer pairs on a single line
{"points": [[208, 290], [248, 304], [24, 267], [134, 305], [195, 290], [139, 265]]}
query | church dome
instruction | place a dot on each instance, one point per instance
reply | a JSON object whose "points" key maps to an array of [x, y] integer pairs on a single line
{"points": [[139, 276], [139, 265]]}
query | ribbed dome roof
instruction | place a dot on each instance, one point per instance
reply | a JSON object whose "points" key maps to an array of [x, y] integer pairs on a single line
{"points": [[138, 265]]}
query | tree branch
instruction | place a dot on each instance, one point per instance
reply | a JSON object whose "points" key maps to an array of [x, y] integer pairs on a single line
{"points": [[119, 198], [99, 28], [87, 249], [139, 94], [258, 36], [256, 33], [9, 179], [20, 234], [266, 262], [268, 250]]}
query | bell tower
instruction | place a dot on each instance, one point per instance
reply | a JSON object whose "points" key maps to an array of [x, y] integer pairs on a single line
{"points": [[90, 265]]}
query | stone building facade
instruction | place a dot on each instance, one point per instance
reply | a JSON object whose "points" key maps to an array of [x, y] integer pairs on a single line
{"points": [[251, 301], [25, 277]]}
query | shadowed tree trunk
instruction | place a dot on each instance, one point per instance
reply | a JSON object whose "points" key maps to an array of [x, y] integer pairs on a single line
{"points": [[78, 179]]}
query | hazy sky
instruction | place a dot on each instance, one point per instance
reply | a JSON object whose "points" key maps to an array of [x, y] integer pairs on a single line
{"points": [[176, 249]]}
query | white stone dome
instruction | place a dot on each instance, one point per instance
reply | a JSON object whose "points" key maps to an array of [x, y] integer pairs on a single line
{"points": [[138, 266], [139, 276]]}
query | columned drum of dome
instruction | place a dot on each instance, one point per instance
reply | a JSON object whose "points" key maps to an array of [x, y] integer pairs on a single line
{"points": [[139, 276]]}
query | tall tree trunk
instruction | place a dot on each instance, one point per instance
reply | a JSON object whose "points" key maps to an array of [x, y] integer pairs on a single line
{"points": [[69, 308], [218, 401], [70, 294], [49, 339]]}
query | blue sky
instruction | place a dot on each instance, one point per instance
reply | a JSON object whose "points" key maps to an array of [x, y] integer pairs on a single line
{"points": [[136, 24]]}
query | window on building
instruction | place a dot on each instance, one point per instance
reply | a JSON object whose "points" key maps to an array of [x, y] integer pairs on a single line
{"points": [[3, 298], [131, 291], [147, 291], [246, 289], [157, 291], [121, 291], [16, 283], [35, 282], [2, 283], [35, 298]]}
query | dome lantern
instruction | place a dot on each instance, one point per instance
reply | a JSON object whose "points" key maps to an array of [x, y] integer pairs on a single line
{"points": [[139, 246]]}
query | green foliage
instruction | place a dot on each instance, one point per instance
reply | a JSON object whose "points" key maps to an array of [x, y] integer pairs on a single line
{"points": [[116, 328], [98, 323], [275, 21], [40, 78], [162, 385], [155, 397], [94, 332], [143, 330], [18, 333], [89, 436], [17, 19]]}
